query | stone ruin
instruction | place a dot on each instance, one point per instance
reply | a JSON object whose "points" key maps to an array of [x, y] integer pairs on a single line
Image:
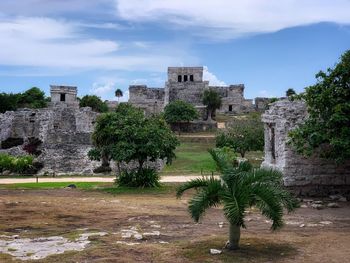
{"points": [[186, 84], [310, 176], [63, 129]]}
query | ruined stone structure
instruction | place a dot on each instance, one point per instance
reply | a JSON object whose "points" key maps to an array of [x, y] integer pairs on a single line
{"points": [[63, 128], [186, 84], [307, 176]]}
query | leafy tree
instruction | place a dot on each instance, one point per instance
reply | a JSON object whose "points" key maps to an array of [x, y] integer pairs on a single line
{"points": [[8, 102], [94, 102], [118, 93], [212, 100], [242, 136], [32, 98], [326, 132], [178, 112], [290, 92], [127, 135], [239, 188]]}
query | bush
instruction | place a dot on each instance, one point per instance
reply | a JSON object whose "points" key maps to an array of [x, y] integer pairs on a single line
{"points": [[145, 178], [20, 165]]}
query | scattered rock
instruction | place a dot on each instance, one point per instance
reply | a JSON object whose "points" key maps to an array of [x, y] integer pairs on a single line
{"points": [[317, 206], [326, 222], [318, 202], [221, 224], [303, 206], [337, 198], [156, 226], [342, 199], [153, 233], [215, 251], [138, 236], [163, 242], [71, 186], [333, 205], [6, 172], [128, 243], [302, 225], [249, 219]]}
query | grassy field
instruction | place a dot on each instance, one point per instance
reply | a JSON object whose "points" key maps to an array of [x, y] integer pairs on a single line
{"points": [[194, 158], [54, 185]]}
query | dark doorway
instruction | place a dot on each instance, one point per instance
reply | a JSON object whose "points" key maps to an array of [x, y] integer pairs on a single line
{"points": [[229, 107], [191, 78], [185, 78], [179, 78], [273, 147], [63, 97]]}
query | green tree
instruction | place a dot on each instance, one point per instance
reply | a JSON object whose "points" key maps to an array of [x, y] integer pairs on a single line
{"points": [[8, 102], [290, 92], [239, 188], [179, 112], [94, 102], [212, 100], [118, 93], [242, 136], [326, 132], [32, 98], [127, 135]]}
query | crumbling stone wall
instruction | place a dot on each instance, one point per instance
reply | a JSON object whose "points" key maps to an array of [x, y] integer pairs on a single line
{"points": [[150, 100], [307, 176], [65, 133], [186, 84]]}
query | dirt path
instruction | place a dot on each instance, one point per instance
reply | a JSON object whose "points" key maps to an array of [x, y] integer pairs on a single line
{"points": [[164, 179]]}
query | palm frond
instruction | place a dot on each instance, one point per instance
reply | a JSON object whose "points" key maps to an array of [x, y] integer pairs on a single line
{"points": [[233, 209], [269, 202], [205, 198], [195, 183], [220, 160]]}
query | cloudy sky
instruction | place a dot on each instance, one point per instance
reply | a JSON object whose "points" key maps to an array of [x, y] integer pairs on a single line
{"points": [[101, 45]]}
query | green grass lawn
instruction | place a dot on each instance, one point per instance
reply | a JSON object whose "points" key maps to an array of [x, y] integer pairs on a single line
{"points": [[194, 158], [191, 157]]}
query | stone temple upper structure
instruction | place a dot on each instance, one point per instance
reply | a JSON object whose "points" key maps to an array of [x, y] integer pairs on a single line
{"points": [[64, 95], [187, 84]]}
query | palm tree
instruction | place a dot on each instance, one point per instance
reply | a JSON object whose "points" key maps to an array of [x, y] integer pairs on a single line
{"points": [[239, 188], [290, 92], [213, 102], [118, 93]]}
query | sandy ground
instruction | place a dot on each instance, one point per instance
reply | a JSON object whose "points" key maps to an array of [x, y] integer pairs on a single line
{"points": [[309, 235], [164, 179]]}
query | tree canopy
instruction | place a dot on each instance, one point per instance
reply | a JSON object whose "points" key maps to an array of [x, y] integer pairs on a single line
{"points": [[326, 132], [178, 111], [94, 102], [32, 98], [290, 92], [242, 136], [126, 135], [212, 100], [118, 93]]}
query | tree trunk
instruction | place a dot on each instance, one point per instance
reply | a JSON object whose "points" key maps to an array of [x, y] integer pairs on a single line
{"points": [[105, 161], [209, 115], [140, 165], [234, 236]]}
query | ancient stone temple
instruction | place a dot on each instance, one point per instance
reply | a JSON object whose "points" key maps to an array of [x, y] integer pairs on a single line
{"points": [[187, 84], [63, 129], [307, 176]]}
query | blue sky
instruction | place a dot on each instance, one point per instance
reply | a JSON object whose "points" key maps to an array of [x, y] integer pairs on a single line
{"points": [[101, 45]]}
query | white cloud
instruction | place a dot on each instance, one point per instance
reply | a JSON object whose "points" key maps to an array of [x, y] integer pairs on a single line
{"points": [[234, 18], [105, 87], [213, 80], [52, 43]]}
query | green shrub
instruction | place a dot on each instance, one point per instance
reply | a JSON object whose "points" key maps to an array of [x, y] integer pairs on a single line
{"points": [[145, 178], [20, 165]]}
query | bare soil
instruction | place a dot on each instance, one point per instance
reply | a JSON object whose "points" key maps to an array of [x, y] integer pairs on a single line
{"points": [[325, 236]]}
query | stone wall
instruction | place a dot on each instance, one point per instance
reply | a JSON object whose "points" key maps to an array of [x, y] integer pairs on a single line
{"points": [[65, 134], [150, 100], [186, 84], [307, 176]]}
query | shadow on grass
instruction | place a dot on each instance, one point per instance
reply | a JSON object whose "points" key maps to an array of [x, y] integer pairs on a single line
{"points": [[251, 250]]}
